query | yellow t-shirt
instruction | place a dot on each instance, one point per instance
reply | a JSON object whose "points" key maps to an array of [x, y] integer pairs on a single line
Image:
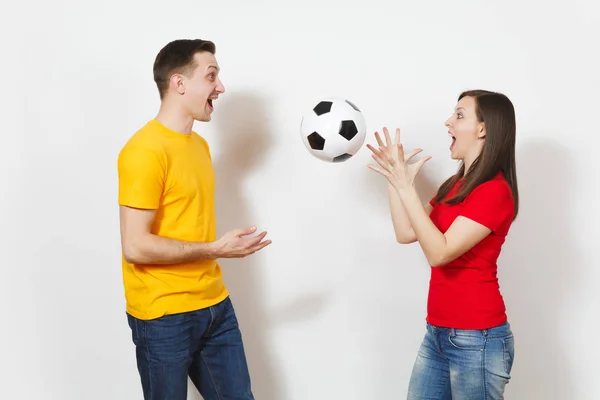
{"points": [[172, 173]]}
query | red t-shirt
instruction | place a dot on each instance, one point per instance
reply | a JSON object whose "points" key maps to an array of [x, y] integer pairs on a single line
{"points": [[464, 293]]}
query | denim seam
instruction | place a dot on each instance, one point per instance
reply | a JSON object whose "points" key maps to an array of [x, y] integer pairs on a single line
{"points": [[504, 357], [483, 369], [212, 378], [150, 386], [212, 318]]}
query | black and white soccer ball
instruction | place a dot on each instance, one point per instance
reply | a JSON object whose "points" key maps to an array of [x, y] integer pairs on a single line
{"points": [[333, 130]]}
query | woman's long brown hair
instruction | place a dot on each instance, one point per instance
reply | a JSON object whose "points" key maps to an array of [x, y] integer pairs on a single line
{"points": [[496, 111]]}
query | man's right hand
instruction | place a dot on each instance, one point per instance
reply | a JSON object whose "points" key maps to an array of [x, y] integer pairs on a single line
{"points": [[234, 245]]}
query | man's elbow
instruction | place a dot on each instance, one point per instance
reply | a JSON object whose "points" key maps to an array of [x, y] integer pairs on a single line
{"points": [[132, 252], [131, 256]]}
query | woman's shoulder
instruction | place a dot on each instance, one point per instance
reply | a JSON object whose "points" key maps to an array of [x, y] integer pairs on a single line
{"points": [[496, 186]]}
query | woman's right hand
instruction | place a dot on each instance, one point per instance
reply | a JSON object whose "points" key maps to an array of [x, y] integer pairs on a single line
{"points": [[388, 156]]}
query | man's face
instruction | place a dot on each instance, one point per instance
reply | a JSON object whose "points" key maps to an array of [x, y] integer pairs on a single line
{"points": [[202, 87]]}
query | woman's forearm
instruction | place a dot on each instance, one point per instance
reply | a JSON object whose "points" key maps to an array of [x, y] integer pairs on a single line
{"points": [[432, 241], [402, 226]]}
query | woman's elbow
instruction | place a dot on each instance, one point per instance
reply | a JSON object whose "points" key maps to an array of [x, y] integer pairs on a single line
{"points": [[439, 260], [406, 239]]}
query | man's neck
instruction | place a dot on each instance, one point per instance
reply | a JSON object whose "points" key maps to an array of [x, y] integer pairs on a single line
{"points": [[174, 118]]}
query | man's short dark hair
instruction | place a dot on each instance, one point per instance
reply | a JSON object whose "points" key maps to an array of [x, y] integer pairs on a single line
{"points": [[178, 57]]}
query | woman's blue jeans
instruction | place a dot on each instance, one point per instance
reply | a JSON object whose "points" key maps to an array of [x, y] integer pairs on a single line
{"points": [[456, 364]]}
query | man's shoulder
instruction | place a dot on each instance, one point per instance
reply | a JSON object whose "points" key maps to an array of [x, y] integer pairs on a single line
{"points": [[144, 138], [203, 142], [143, 144], [200, 138]]}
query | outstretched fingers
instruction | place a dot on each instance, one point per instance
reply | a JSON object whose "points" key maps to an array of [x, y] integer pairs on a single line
{"points": [[243, 231], [253, 244], [376, 152], [259, 246], [419, 164], [254, 240], [413, 153], [388, 140], [379, 170], [383, 160], [379, 141]]}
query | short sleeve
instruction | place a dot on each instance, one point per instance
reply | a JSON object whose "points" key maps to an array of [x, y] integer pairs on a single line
{"points": [[141, 177], [206, 146], [432, 201], [489, 204]]}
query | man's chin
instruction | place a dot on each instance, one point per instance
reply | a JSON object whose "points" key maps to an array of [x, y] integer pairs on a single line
{"points": [[203, 118]]}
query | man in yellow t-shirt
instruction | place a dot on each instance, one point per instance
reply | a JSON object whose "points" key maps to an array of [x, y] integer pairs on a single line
{"points": [[182, 320]]}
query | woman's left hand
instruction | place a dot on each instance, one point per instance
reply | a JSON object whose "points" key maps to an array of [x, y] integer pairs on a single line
{"points": [[393, 163]]}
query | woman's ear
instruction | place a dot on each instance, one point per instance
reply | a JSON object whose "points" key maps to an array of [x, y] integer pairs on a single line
{"points": [[481, 131]]}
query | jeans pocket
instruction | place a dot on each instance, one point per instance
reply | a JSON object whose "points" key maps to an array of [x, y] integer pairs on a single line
{"points": [[466, 342], [509, 353], [137, 329]]}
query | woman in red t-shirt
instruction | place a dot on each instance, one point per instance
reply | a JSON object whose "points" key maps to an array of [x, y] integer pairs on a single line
{"points": [[468, 349]]}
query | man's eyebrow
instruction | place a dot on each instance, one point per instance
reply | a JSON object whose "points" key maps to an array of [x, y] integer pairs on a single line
{"points": [[213, 66]]}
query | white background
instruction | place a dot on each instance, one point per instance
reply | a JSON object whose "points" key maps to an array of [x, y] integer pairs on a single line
{"points": [[334, 308]]}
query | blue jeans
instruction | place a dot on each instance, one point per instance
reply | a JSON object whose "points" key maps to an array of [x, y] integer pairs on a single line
{"points": [[463, 364], [204, 345]]}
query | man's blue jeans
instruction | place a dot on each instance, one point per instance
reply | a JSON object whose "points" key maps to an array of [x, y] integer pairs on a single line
{"points": [[205, 345], [455, 364]]}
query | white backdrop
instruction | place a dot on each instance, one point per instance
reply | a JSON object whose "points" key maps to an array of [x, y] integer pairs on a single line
{"points": [[334, 308]]}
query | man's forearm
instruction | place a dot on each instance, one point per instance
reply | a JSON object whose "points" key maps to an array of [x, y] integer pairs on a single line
{"points": [[154, 249]]}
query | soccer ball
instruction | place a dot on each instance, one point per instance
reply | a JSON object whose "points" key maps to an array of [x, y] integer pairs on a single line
{"points": [[333, 130]]}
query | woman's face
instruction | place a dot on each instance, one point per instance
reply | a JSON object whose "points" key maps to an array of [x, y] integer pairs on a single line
{"points": [[466, 131]]}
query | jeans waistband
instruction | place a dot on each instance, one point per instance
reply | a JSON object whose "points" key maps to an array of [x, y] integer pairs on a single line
{"points": [[500, 330]]}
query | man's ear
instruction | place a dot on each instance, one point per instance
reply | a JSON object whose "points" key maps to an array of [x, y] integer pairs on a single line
{"points": [[177, 83]]}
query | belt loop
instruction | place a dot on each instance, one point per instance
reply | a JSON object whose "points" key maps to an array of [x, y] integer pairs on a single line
{"points": [[452, 332]]}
